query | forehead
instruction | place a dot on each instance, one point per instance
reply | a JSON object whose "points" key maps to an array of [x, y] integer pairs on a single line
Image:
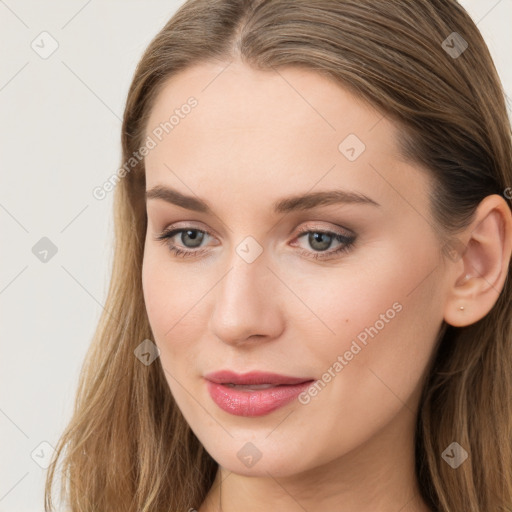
{"points": [[289, 130], [236, 97]]}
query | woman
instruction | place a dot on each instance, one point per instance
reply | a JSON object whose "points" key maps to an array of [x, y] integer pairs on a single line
{"points": [[309, 307]]}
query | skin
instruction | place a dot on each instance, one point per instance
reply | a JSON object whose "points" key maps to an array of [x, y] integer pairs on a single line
{"points": [[253, 138]]}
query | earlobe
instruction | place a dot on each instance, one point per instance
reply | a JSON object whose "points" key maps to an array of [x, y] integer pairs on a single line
{"points": [[478, 278]]}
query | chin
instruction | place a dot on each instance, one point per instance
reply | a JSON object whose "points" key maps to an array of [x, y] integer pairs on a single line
{"points": [[261, 458]]}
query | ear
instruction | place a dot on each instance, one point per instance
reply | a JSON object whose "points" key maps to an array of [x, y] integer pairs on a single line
{"points": [[478, 274]]}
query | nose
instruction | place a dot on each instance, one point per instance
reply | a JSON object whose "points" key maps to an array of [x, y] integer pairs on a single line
{"points": [[246, 305]]}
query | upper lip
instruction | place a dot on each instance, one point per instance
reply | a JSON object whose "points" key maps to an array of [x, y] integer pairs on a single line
{"points": [[254, 377]]}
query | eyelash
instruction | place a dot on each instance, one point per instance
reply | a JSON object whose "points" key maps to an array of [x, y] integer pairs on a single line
{"points": [[347, 243]]}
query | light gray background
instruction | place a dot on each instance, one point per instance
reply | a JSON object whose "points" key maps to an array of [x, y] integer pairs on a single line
{"points": [[60, 138]]}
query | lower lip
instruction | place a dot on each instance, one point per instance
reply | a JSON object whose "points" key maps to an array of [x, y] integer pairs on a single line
{"points": [[254, 403]]}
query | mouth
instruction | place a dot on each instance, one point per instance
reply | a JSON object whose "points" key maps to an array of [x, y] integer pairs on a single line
{"points": [[255, 393]]}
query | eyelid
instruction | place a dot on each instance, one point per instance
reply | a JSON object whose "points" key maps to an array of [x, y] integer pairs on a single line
{"points": [[338, 229], [192, 224]]}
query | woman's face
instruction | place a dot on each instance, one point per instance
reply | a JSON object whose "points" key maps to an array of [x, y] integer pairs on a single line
{"points": [[347, 293]]}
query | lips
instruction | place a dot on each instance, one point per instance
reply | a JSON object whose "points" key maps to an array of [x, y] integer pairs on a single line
{"points": [[253, 393]]}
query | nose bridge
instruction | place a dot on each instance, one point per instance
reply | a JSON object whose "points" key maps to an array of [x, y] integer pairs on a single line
{"points": [[245, 301]]}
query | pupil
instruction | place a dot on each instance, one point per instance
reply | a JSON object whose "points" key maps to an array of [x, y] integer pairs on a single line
{"points": [[194, 235], [314, 238]]}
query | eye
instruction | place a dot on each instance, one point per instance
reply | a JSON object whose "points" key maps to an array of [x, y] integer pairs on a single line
{"points": [[190, 237], [321, 240]]}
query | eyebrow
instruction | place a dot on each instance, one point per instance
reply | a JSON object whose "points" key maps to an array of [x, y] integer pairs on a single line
{"points": [[294, 203]]}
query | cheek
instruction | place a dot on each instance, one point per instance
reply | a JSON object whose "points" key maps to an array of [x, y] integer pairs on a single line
{"points": [[382, 322], [157, 295], [167, 302], [174, 311]]}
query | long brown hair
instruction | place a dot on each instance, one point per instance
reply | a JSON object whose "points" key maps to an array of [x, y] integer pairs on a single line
{"points": [[127, 446]]}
